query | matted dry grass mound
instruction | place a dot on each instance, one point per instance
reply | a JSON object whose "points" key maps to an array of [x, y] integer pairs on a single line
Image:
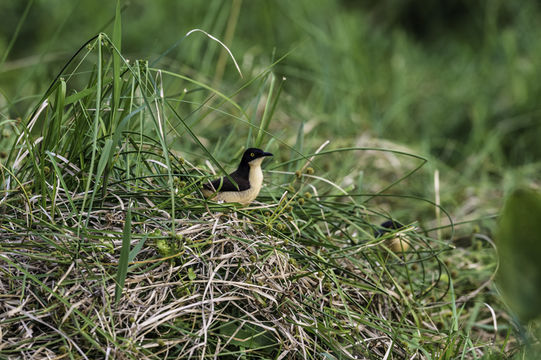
{"points": [[226, 282]]}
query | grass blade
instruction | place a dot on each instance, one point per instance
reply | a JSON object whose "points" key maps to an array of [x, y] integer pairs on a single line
{"points": [[123, 262], [266, 114]]}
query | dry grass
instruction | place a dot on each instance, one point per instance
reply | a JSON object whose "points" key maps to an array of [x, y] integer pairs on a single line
{"points": [[270, 280]]}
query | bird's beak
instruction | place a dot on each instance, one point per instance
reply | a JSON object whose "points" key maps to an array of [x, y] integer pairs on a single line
{"points": [[267, 154]]}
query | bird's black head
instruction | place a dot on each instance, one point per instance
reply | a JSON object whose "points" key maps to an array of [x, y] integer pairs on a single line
{"points": [[252, 154], [386, 227]]}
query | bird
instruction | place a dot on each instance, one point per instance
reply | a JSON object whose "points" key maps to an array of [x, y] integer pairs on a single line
{"points": [[248, 180], [397, 243]]}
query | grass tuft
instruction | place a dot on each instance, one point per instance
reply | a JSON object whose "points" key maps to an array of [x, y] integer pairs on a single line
{"points": [[107, 241]]}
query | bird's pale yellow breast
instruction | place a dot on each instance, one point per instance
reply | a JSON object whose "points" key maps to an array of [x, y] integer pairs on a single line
{"points": [[246, 196]]}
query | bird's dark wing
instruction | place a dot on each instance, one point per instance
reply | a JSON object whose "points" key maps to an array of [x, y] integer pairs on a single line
{"points": [[386, 227], [224, 184]]}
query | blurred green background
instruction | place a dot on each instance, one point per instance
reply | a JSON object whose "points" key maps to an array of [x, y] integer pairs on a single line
{"points": [[456, 81]]}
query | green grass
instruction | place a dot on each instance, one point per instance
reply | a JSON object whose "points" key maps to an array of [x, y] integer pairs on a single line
{"points": [[109, 249]]}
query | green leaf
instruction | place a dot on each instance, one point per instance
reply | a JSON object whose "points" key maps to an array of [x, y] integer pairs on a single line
{"points": [[137, 248], [60, 98], [117, 80], [80, 95], [104, 158], [117, 31], [248, 335], [55, 122], [191, 274], [123, 262], [519, 249]]}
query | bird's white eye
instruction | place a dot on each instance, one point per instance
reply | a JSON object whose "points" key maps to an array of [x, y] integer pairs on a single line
{"points": [[252, 154]]}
